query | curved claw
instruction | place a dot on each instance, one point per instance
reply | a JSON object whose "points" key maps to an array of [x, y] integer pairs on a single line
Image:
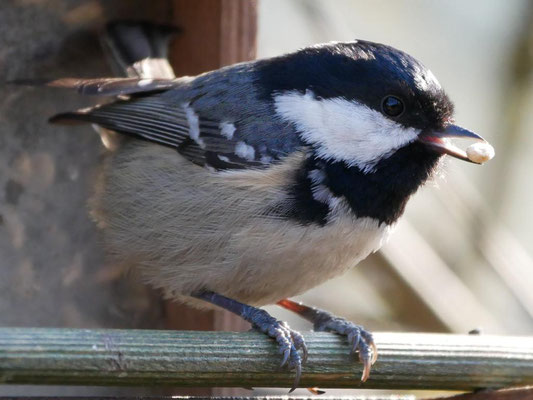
{"points": [[369, 339], [286, 354], [366, 353], [374, 352], [367, 365], [298, 369], [359, 339]]}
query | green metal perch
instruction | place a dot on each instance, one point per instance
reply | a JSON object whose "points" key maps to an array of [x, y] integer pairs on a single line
{"points": [[226, 359]]}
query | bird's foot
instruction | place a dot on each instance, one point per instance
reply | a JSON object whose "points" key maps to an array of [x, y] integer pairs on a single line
{"points": [[360, 340], [289, 341]]}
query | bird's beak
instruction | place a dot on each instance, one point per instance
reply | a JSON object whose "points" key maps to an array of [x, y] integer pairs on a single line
{"points": [[439, 141]]}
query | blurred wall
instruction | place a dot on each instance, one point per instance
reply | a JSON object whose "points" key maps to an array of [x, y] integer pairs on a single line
{"points": [[470, 231], [460, 258], [52, 271]]}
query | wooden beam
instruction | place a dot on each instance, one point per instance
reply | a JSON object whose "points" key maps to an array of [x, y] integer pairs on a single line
{"points": [[225, 359], [215, 33]]}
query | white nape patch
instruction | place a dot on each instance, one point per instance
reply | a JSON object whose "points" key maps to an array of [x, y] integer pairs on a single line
{"points": [[227, 130], [223, 158], [426, 80], [343, 130], [194, 125], [245, 151], [144, 82], [365, 55], [330, 43]]}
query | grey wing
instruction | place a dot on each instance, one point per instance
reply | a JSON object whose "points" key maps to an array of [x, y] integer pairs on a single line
{"points": [[214, 120]]}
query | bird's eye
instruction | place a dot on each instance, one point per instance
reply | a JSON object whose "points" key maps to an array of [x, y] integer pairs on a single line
{"points": [[392, 106]]}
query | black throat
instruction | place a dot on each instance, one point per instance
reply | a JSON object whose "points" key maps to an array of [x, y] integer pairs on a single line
{"points": [[381, 195]]}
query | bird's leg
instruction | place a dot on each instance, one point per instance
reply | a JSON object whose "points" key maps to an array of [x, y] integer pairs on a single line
{"points": [[360, 339], [289, 341]]}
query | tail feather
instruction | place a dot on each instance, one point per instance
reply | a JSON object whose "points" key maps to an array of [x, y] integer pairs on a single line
{"points": [[139, 49]]}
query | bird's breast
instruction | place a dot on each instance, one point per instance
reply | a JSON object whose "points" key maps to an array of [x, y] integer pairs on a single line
{"points": [[280, 259], [187, 229]]}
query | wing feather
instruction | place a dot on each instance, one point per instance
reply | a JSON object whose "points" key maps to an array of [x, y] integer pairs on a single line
{"points": [[217, 119], [152, 119]]}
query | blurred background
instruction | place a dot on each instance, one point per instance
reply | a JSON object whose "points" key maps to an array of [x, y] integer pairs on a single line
{"points": [[462, 258]]}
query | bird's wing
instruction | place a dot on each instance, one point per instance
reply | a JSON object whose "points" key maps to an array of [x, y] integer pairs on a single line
{"points": [[202, 141], [209, 123]]}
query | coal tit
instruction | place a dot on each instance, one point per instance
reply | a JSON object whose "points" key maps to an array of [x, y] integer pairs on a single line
{"points": [[246, 185]]}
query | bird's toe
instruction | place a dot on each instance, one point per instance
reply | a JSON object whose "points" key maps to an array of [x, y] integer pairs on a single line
{"points": [[299, 344], [289, 343], [361, 341]]}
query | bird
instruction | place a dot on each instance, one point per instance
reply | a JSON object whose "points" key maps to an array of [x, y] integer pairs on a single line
{"points": [[250, 184]]}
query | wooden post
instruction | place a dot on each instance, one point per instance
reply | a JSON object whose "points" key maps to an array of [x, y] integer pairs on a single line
{"points": [[215, 33]]}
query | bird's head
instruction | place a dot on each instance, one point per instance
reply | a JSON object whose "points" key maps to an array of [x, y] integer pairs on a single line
{"points": [[375, 120], [361, 102]]}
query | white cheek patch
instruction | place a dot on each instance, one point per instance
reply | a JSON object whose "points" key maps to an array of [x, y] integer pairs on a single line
{"points": [[343, 130]]}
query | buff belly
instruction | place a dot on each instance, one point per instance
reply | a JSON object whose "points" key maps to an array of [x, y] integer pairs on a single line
{"points": [[186, 229]]}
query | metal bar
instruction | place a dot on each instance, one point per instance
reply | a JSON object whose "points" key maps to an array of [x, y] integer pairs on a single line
{"points": [[350, 397], [226, 359]]}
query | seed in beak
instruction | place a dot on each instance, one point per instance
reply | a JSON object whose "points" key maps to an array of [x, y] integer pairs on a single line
{"points": [[480, 152]]}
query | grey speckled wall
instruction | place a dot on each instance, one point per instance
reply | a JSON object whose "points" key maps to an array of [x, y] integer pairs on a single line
{"points": [[52, 270]]}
